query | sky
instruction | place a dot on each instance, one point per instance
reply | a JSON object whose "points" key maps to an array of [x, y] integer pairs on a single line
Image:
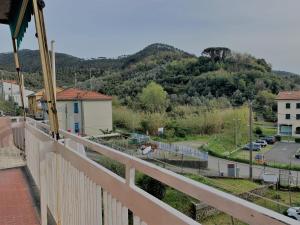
{"points": [[94, 28]]}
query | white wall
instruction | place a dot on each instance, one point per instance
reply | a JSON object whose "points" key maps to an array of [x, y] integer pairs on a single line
{"points": [[97, 115], [8, 89], [92, 116], [66, 116], [293, 111]]}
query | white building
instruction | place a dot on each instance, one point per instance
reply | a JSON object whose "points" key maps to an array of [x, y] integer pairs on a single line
{"points": [[288, 104], [84, 112], [9, 90]]}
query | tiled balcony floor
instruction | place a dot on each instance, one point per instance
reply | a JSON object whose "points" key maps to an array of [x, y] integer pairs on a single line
{"points": [[16, 203]]}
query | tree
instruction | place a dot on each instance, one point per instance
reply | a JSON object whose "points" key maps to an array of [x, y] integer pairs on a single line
{"points": [[217, 53], [265, 105], [237, 98], [153, 97], [152, 186]]}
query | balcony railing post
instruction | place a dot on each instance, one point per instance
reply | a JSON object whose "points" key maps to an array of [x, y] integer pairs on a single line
{"points": [[130, 175], [43, 193]]}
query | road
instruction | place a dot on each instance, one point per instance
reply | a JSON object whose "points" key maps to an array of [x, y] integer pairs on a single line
{"points": [[283, 152]]}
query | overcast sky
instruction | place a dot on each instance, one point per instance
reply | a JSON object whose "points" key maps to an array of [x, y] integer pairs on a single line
{"points": [[264, 28]]}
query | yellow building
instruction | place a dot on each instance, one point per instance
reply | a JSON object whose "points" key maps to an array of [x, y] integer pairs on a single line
{"points": [[35, 103]]}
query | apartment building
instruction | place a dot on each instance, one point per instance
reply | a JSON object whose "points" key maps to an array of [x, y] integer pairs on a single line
{"points": [[84, 112], [288, 113], [10, 91]]}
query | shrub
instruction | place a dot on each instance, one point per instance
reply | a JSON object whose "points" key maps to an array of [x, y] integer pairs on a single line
{"points": [[278, 138], [297, 140], [152, 186], [258, 131], [152, 121], [126, 118], [178, 130]]}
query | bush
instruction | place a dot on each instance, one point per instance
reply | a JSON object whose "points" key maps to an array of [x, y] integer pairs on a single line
{"points": [[126, 118], [297, 140], [278, 138], [258, 131], [152, 121], [152, 186]]}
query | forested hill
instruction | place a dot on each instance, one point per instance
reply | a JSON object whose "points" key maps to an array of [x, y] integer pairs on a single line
{"points": [[68, 65], [186, 78]]}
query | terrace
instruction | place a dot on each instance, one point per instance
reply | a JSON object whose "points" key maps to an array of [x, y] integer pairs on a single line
{"points": [[73, 189]]}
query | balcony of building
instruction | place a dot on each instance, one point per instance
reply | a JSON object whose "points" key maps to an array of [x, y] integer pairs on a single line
{"points": [[72, 189]]}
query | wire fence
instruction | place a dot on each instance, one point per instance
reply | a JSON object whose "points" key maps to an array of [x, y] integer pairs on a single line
{"points": [[183, 150]]}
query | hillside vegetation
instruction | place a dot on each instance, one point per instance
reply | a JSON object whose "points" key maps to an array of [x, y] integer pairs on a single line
{"points": [[187, 79]]}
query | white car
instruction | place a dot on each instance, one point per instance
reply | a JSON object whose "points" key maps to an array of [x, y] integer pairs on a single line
{"points": [[294, 213], [262, 143]]}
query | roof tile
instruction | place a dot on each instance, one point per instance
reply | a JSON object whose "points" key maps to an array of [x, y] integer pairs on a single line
{"points": [[9, 81], [288, 95], [77, 94]]}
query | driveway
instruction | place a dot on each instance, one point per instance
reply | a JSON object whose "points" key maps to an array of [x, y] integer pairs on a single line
{"points": [[283, 152]]}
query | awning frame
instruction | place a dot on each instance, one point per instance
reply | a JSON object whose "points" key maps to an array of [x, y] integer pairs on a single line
{"points": [[22, 16]]}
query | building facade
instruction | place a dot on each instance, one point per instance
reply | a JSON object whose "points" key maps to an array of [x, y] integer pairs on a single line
{"points": [[35, 103], [10, 91], [84, 112], [288, 113]]}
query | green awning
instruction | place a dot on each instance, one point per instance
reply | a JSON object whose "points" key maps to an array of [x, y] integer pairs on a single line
{"points": [[16, 14], [24, 23]]}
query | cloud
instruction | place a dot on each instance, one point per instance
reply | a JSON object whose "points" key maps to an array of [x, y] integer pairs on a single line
{"points": [[264, 28]]}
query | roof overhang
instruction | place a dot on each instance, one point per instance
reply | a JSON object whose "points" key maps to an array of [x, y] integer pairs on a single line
{"points": [[16, 14]]}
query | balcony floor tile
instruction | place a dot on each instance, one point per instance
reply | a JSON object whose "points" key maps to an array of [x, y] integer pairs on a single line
{"points": [[16, 203]]}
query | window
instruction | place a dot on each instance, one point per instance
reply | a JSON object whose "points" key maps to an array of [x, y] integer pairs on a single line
{"points": [[287, 116], [298, 105], [76, 107], [285, 129], [298, 116], [76, 128], [288, 105]]}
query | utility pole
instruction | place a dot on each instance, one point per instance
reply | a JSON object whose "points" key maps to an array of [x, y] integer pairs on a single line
{"points": [[250, 140], [91, 84], [236, 129], [75, 80], [53, 68]]}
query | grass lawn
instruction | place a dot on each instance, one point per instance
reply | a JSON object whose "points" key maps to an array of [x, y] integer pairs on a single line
{"points": [[269, 131], [179, 201], [234, 186], [183, 203], [221, 219], [264, 123], [280, 197]]}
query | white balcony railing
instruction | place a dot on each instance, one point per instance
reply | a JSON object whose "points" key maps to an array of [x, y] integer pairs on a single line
{"points": [[78, 191]]}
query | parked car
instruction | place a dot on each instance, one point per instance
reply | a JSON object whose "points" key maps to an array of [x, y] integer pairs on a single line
{"points": [[269, 139], [294, 213], [255, 147], [263, 143], [297, 154], [260, 158]]}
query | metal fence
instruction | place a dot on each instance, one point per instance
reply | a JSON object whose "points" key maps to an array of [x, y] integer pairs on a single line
{"points": [[181, 149]]}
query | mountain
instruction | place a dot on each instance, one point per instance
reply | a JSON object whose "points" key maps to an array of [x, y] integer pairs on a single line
{"points": [[67, 65], [186, 78], [285, 73]]}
